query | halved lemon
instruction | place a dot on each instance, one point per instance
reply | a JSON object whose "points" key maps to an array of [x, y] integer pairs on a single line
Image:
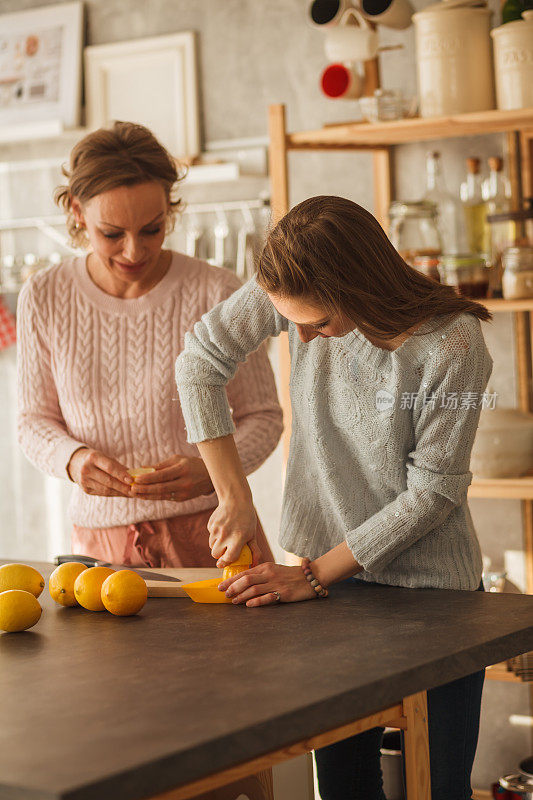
{"points": [[245, 557]]}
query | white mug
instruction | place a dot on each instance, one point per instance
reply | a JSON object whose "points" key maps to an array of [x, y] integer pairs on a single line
{"points": [[352, 40], [342, 82], [324, 13], [391, 13]]}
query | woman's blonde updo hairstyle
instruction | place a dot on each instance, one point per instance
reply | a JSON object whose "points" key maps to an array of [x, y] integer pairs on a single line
{"points": [[123, 155]]}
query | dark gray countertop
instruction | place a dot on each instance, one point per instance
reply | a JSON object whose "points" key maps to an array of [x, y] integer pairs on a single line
{"points": [[94, 707]]}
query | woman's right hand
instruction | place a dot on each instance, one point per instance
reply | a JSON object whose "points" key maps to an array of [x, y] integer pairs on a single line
{"points": [[97, 474], [231, 526]]}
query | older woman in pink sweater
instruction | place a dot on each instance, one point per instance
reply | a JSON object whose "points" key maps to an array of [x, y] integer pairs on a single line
{"points": [[98, 338]]}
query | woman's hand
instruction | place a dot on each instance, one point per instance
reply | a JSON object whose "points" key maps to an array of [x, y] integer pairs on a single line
{"points": [[178, 478], [232, 525], [255, 587], [96, 473]]}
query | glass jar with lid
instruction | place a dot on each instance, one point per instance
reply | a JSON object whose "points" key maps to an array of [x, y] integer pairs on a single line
{"points": [[413, 229], [468, 272], [509, 229], [517, 279]]}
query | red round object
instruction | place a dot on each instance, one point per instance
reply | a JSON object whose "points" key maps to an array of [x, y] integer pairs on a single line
{"points": [[335, 80]]}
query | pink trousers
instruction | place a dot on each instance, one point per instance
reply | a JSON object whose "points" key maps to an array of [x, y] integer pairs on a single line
{"points": [[175, 542]]}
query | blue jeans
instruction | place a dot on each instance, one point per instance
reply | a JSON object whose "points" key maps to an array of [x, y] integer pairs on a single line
{"points": [[351, 770]]}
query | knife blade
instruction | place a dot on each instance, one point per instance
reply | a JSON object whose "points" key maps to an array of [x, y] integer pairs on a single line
{"points": [[89, 561]]}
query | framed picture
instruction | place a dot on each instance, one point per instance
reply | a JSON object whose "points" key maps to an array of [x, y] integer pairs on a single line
{"points": [[150, 81], [40, 65]]}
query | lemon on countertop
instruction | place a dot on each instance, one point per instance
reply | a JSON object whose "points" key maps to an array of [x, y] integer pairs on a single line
{"points": [[88, 587], [19, 610], [124, 593], [61, 582], [21, 576]]}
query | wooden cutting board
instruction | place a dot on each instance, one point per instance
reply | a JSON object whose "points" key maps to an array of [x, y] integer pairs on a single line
{"points": [[187, 575]]}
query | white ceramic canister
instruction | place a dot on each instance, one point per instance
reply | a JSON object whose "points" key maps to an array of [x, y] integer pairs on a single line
{"points": [[454, 60], [513, 62]]}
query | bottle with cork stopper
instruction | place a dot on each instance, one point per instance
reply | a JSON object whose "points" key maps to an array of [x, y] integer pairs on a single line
{"points": [[474, 208], [496, 191], [449, 210]]}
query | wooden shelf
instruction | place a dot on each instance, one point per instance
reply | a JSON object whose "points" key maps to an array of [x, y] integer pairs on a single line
{"points": [[373, 136], [496, 304], [499, 672], [502, 488]]}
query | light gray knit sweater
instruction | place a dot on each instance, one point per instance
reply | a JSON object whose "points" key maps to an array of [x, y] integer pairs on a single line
{"points": [[381, 440]]}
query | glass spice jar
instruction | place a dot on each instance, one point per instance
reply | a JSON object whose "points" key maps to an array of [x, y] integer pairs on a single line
{"points": [[413, 229], [467, 272], [517, 278]]}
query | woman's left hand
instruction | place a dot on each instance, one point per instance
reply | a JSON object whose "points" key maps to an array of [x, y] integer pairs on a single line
{"points": [[178, 478], [255, 587]]}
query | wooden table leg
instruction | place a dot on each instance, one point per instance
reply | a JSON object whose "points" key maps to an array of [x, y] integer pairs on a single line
{"points": [[417, 772], [267, 781]]}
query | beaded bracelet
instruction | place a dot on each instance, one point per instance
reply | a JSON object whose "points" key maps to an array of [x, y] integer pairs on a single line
{"points": [[320, 591]]}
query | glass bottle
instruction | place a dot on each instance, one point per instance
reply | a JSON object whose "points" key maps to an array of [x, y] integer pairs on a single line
{"points": [[449, 211], [475, 212], [496, 192], [496, 188]]}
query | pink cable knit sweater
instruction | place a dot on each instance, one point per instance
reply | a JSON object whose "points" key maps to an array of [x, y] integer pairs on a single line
{"points": [[98, 370]]}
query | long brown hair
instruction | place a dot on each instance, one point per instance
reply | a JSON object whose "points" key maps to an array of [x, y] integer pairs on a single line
{"points": [[123, 155], [331, 251]]}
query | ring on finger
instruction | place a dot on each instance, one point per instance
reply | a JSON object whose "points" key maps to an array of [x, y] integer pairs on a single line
{"points": [[277, 595]]}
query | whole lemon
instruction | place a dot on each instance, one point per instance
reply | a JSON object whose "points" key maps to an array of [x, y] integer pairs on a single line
{"points": [[19, 610], [21, 576], [61, 582], [88, 587], [124, 593]]}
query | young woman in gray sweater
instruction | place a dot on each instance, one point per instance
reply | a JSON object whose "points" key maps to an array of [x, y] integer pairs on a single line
{"points": [[388, 377]]}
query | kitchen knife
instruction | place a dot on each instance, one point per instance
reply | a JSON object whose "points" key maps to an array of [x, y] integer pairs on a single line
{"points": [[89, 561]]}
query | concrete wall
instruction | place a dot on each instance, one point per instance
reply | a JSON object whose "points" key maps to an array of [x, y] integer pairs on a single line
{"points": [[253, 53]]}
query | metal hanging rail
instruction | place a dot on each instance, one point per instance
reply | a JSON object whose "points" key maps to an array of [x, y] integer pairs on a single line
{"points": [[227, 205]]}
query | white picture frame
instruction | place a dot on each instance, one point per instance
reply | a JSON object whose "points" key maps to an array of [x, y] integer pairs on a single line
{"points": [[40, 67], [150, 81]]}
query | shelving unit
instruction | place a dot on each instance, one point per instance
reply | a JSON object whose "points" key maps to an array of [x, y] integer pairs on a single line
{"points": [[378, 139], [502, 488], [499, 672], [365, 135]]}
